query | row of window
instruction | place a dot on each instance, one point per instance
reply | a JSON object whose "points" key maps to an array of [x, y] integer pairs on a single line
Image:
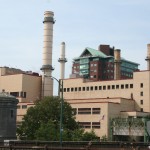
{"points": [[21, 106], [81, 111], [19, 94], [104, 87], [93, 125]]}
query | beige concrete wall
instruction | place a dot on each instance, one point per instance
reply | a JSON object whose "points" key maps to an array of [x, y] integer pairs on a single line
{"points": [[125, 92], [123, 101], [93, 118], [76, 83], [32, 85], [22, 82], [110, 108], [142, 78]]}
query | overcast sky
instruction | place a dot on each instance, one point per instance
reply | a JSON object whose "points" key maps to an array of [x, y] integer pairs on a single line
{"points": [[124, 24]]}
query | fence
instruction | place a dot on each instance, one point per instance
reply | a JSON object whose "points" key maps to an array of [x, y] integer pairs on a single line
{"points": [[46, 145]]}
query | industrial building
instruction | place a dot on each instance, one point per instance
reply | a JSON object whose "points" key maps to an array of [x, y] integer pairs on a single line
{"points": [[25, 86], [108, 93]]}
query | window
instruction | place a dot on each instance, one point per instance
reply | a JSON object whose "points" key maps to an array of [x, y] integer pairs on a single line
{"points": [[96, 110], [11, 113], [131, 86], [104, 87], [85, 124], [72, 89], [141, 85], [94, 76], [96, 125], [117, 86], [87, 88], [24, 94], [64, 89], [141, 109], [79, 88], [75, 88], [21, 94], [108, 87], [141, 102], [68, 89], [91, 88], [83, 88], [18, 106], [126, 86], [95, 64], [141, 93], [95, 87], [100, 87], [113, 86], [24, 106], [16, 94], [84, 111], [122, 86]]}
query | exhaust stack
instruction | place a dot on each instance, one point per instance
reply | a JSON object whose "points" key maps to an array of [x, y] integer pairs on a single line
{"points": [[117, 64], [148, 57], [47, 82], [62, 60]]}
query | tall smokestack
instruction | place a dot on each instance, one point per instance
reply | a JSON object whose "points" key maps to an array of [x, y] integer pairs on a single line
{"points": [[62, 60], [47, 68], [117, 65], [148, 57]]}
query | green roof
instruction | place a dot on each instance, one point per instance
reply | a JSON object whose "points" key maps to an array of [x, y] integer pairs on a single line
{"points": [[94, 53]]}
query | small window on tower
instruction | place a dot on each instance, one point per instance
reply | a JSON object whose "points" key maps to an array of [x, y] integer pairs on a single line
{"points": [[141, 85], [141, 101]]}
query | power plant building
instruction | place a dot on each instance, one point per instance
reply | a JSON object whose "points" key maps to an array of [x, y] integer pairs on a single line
{"points": [[102, 88]]}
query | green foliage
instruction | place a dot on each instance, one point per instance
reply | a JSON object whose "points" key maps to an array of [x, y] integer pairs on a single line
{"points": [[90, 136], [42, 122], [104, 138]]}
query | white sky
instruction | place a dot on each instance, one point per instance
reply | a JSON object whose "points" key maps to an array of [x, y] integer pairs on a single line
{"points": [[124, 24]]}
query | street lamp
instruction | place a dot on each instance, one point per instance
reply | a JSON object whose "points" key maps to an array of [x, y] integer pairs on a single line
{"points": [[60, 89]]}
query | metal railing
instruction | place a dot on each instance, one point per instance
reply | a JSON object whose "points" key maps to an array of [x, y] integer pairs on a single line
{"points": [[46, 145]]}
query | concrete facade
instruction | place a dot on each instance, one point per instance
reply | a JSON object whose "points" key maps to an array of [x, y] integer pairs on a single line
{"points": [[115, 98], [25, 86]]}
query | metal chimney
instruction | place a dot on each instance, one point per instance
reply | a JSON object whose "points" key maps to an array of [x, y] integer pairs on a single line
{"points": [[117, 64], [62, 60], [47, 82]]}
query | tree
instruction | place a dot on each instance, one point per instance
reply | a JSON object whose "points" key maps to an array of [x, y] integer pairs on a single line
{"points": [[42, 122]]}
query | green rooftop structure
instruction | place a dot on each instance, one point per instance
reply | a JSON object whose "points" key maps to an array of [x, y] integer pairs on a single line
{"points": [[99, 64]]}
